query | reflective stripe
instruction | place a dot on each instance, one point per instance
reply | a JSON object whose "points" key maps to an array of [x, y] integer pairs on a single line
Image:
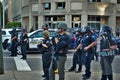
{"points": [[107, 53]]}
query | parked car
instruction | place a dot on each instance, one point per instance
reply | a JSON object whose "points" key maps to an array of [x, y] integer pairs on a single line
{"points": [[6, 39], [6, 34], [35, 38]]}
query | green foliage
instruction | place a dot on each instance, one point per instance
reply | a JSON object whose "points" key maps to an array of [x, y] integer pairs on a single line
{"points": [[13, 24]]}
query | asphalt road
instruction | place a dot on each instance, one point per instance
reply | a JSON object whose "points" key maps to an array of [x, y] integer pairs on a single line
{"points": [[13, 68]]}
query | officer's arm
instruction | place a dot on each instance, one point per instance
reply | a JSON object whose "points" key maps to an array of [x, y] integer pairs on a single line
{"points": [[47, 45], [63, 43], [90, 46], [78, 47], [14, 38]]}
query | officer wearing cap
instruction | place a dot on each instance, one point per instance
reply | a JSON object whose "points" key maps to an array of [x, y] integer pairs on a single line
{"points": [[14, 40], [46, 53], [87, 44], [107, 52], [78, 54], [23, 43], [62, 42]]}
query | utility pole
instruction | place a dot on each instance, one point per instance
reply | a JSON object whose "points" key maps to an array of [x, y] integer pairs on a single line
{"points": [[1, 51], [3, 4]]}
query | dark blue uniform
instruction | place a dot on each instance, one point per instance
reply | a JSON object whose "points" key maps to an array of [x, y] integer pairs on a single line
{"points": [[107, 56], [14, 43], [87, 39], [95, 47], [77, 56], [46, 56], [61, 50], [23, 45]]}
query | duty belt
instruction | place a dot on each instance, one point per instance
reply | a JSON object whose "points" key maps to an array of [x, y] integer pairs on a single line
{"points": [[107, 53]]}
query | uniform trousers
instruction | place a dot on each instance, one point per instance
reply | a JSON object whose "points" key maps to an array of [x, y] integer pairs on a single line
{"points": [[106, 66], [60, 60]]}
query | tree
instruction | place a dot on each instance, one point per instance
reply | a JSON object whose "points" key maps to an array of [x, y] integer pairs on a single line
{"points": [[13, 24]]}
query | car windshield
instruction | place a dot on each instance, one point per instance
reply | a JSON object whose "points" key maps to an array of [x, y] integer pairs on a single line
{"points": [[39, 34], [3, 33]]}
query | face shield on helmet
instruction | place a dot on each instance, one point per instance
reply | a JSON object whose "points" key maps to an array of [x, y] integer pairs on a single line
{"points": [[86, 29], [105, 30]]}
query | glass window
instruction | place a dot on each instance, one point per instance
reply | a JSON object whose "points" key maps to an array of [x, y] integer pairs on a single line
{"points": [[37, 34], [3, 33], [118, 1], [93, 18], [76, 17], [55, 18], [94, 0], [60, 5], [47, 6], [94, 21]]}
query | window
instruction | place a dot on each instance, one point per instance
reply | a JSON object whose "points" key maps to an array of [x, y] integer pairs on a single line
{"points": [[60, 5], [47, 6], [94, 0], [94, 21], [76, 20], [55, 18], [118, 1], [76, 17]]}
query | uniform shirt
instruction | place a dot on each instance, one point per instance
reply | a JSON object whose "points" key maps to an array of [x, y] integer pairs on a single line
{"points": [[107, 41], [62, 45], [22, 37], [47, 41], [87, 40], [13, 34], [77, 42]]}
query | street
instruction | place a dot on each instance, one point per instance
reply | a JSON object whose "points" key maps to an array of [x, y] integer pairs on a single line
{"points": [[31, 69]]}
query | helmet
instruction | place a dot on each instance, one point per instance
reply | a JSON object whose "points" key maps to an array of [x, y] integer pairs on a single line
{"points": [[86, 29], [23, 30], [14, 29], [79, 32], [105, 29], [62, 25], [45, 33]]}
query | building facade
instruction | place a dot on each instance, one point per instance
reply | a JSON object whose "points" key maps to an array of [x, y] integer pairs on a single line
{"points": [[76, 13]]}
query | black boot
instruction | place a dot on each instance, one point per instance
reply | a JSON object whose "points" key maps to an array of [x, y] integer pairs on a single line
{"points": [[104, 77], [79, 70], [71, 69], [110, 77]]}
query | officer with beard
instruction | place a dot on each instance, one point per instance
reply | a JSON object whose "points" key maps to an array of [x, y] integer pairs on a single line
{"points": [[62, 42], [107, 52]]}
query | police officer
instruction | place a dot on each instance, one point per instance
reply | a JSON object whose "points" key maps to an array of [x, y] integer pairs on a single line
{"points": [[62, 42], [46, 53], [78, 54], [87, 44], [23, 43], [14, 40], [95, 47], [107, 52]]}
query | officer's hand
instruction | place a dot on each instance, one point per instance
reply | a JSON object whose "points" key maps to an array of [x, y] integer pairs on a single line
{"points": [[56, 40], [44, 45], [75, 50], [86, 48]]}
